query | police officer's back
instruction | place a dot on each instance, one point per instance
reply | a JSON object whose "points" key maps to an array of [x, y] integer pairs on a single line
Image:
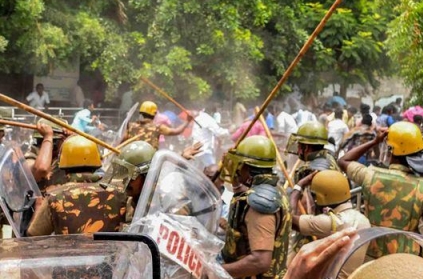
{"points": [[81, 205]]}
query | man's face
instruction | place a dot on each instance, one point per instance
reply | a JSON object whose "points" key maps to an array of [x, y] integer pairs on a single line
{"points": [[134, 188], [243, 175], [91, 108], [302, 151], [40, 89]]}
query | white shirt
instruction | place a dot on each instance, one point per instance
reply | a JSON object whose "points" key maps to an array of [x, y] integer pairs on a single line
{"points": [[303, 116], [210, 129], [37, 101], [337, 129], [286, 123], [217, 117]]}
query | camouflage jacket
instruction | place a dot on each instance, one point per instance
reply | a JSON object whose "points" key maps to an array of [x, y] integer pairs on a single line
{"points": [[237, 242], [149, 130], [393, 199], [83, 206], [318, 160], [56, 176]]}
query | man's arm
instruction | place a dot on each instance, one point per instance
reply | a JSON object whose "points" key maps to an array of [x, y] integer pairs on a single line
{"points": [[261, 230], [30, 97], [255, 263], [42, 222], [168, 131], [40, 168], [356, 153], [296, 196]]}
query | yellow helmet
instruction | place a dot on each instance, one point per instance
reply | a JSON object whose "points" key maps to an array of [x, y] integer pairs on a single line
{"points": [[404, 138], [79, 152], [393, 266], [330, 187], [149, 108]]}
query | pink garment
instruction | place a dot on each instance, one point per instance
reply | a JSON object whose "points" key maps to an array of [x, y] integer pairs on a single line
{"points": [[162, 119], [256, 130], [409, 114]]}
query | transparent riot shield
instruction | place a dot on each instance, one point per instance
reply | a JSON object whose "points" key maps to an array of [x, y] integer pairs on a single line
{"points": [[122, 128], [180, 207], [362, 238], [118, 256], [18, 189], [118, 136], [174, 186]]}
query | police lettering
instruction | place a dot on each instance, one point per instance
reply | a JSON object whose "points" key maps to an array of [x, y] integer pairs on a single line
{"points": [[176, 246]]}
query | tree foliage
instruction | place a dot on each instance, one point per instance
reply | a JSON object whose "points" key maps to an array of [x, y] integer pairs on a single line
{"points": [[405, 44], [193, 48], [350, 49]]}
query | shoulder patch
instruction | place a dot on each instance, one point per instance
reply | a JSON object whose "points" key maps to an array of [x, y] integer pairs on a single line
{"points": [[264, 198]]}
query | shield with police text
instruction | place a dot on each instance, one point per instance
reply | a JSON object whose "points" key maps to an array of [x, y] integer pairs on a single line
{"points": [[180, 207], [18, 189]]}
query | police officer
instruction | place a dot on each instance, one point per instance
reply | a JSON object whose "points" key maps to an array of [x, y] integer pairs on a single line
{"points": [[309, 142], [43, 156], [129, 170], [393, 197], [149, 130], [259, 218], [131, 167], [335, 211], [81, 205]]}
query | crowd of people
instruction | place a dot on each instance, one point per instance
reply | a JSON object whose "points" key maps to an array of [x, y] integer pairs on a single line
{"points": [[269, 231]]}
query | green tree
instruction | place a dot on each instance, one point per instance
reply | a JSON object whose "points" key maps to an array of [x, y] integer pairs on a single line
{"points": [[350, 48], [405, 45]]}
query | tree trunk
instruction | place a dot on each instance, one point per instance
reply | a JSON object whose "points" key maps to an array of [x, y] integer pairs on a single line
{"points": [[343, 90]]}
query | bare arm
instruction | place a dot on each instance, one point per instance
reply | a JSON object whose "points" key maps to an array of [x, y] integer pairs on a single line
{"points": [[356, 153], [255, 263], [168, 131], [41, 166]]}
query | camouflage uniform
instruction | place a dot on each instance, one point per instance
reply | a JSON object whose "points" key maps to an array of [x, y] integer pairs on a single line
{"points": [[149, 130], [57, 176], [328, 163], [394, 199], [237, 243], [80, 206]]}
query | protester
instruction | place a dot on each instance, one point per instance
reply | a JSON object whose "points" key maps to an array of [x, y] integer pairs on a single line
{"points": [[38, 99], [207, 134], [337, 128], [83, 120]]}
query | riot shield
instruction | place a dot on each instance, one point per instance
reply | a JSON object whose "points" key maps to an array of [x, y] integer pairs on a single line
{"points": [[123, 127], [187, 249], [179, 208], [174, 186], [79, 256], [18, 189], [118, 136]]}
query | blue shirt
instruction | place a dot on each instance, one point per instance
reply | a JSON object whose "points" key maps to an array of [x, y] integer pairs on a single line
{"points": [[270, 121], [81, 121]]}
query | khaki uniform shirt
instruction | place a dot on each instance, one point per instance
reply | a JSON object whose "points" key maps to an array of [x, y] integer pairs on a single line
{"points": [[323, 225], [261, 230]]}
